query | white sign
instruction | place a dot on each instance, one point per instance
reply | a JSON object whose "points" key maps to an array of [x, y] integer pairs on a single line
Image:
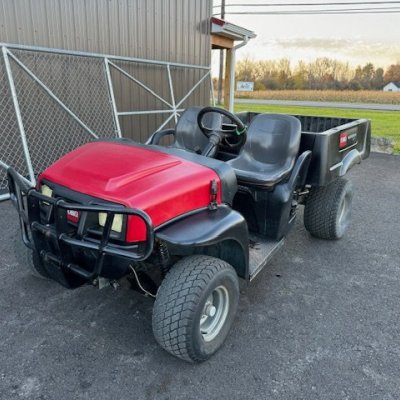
{"points": [[244, 86]]}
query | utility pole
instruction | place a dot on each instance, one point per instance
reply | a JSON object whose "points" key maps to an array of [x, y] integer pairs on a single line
{"points": [[221, 60]]}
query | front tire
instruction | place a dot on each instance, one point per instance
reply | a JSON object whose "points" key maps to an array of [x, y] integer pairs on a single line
{"points": [[195, 307], [327, 212], [29, 259]]}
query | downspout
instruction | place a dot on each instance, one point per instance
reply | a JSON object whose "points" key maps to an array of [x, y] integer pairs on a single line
{"points": [[232, 74]]}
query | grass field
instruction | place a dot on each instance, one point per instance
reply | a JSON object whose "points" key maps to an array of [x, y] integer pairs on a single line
{"points": [[384, 123], [361, 96]]}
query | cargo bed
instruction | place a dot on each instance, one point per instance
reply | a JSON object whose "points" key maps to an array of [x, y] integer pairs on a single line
{"points": [[336, 144]]}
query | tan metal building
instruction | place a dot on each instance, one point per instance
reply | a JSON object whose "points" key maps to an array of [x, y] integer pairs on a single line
{"points": [[72, 71], [167, 30], [114, 68]]}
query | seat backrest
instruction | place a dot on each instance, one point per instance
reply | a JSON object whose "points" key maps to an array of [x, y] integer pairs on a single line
{"points": [[273, 139], [188, 135]]}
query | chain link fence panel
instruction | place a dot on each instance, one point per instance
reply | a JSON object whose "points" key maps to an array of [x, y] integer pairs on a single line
{"points": [[10, 140], [80, 83], [66, 99]]}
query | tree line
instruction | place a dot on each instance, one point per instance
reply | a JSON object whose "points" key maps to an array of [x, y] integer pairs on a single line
{"points": [[320, 74]]}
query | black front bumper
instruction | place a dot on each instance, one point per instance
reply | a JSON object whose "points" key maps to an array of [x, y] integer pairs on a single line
{"points": [[61, 246]]}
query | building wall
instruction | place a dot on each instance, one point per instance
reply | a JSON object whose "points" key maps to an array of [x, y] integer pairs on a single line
{"points": [[168, 30], [391, 87]]}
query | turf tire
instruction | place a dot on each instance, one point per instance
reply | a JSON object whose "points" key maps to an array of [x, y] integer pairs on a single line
{"points": [[29, 259], [180, 303], [327, 212]]}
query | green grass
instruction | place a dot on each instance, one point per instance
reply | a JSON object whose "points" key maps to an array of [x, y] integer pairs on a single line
{"points": [[384, 123]]}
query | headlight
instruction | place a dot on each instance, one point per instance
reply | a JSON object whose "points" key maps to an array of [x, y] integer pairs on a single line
{"points": [[46, 191], [117, 223]]}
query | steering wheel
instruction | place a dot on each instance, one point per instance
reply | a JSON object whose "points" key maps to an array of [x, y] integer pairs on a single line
{"points": [[230, 136]]}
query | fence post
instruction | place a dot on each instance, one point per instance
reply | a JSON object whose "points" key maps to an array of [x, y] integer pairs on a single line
{"points": [[112, 97], [212, 91], [18, 114], [171, 89]]}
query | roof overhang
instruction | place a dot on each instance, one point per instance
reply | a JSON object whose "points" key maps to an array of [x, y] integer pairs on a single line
{"points": [[231, 31], [223, 36]]}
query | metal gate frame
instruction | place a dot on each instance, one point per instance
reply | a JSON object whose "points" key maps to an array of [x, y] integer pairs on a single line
{"points": [[174, 106]]}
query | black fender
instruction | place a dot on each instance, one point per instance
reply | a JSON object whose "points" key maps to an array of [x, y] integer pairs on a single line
{"points": [[350, 159], [221, 233]]}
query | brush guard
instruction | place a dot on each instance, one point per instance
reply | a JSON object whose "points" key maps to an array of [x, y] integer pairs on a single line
{"points": [[36, 235]]}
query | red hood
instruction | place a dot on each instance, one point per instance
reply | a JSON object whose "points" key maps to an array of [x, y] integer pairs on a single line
{"points": [[161, 184]]}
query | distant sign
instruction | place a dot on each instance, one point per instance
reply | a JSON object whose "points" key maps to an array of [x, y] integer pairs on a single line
{"points": [[244, 86]]}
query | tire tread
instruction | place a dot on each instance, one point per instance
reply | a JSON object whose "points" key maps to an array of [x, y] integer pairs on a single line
{"points": [[177, 300], [29, 259], [322, 207]]}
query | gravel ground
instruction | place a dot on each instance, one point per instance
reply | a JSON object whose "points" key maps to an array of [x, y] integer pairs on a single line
{"points": [[321, 322]]}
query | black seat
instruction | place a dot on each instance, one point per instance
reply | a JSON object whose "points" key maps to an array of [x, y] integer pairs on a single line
{"points": [[188, 135], [270, 151]]}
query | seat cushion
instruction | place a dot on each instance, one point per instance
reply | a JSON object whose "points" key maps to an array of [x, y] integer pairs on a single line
{"points": [[270, 151], [252, 172]]}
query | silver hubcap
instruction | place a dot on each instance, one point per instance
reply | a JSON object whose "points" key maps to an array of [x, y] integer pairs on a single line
{"points": [[344, 211], [214, 314]]}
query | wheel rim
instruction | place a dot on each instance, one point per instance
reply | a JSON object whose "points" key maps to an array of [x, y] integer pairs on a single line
{"points": [[344, 211], [214, 314]]}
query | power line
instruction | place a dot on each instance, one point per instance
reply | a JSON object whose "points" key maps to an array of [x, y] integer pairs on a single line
{"points": [[316, 12], [311, 4], [364, 10]]}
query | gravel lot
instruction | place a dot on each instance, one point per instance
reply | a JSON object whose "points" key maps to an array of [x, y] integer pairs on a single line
{"points": [[321, 322]]}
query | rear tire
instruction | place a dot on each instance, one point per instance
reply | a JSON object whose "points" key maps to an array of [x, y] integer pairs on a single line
{"points": [[29, 259], [195, 307], [327, 212]]}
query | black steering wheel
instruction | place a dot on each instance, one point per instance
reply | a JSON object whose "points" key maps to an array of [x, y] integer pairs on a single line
{"points": [[230, 136]]}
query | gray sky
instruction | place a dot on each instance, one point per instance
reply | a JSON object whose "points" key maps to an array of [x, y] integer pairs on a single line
{"points": [[353, 38]]}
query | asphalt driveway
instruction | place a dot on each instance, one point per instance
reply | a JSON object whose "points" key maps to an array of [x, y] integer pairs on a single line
{"points": [[322, 322]]}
